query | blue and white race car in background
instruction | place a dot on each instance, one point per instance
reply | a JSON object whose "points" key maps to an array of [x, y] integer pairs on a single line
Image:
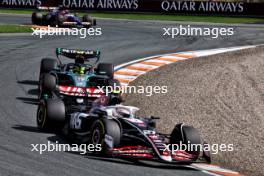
{"points": [[61, 17]]}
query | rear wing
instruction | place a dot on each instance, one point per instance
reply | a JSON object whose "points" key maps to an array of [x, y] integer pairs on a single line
{"points": [[85, 55]]}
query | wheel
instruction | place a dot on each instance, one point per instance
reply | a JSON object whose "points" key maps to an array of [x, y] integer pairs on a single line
{"points": [[37, 18], [49, 82], [88, 18], [42, 120], [50, 114], [106, 69], [47, 64], [187, 135], [106, 132]]}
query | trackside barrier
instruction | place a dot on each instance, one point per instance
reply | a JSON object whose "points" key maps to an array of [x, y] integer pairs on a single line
{"points": [[164, 6]]}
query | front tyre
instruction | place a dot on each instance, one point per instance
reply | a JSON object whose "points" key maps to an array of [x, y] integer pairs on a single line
{"points": [[107, 133], [50, 114], [188, 136], [47, 84], [43, 121], [47, 65]]}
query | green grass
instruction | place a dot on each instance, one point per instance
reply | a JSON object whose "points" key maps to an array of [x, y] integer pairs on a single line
{"points": [[162, 17], [11, 28], [15, 11]]}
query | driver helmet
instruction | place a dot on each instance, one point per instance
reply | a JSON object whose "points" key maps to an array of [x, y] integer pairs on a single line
{"points": [[79, 69], [123, 112]]}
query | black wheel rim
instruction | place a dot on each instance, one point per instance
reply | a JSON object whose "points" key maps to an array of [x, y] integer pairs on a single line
{"points": [[41, 116], [96, 136]]}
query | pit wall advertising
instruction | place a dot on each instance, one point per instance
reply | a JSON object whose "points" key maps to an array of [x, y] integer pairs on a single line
{"points": [[164, 6]]}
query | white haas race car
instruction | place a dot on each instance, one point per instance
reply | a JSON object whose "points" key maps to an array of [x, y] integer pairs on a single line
{"points": [[122, 134]]}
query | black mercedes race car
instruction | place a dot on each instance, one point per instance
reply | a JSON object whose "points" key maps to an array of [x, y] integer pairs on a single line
{"points": [[77, 84], [61, 17], [121, 133]]}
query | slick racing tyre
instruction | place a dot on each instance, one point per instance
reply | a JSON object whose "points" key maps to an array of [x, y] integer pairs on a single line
{"points": [[50, 114], [187, 135], [37, 18], [47, 84], [106, 69], [47, 65], [105, 132]]}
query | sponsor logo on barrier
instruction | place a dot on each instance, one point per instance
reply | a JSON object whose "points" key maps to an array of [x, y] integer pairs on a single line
{"points": [[102, 4], [168, 6], [32, 3], [208, 6]]}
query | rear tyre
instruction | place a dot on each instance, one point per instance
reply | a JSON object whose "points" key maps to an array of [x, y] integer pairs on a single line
{"points": [[106, 69], [105, 132], [187, 135], [37, 18], [50, 114]]}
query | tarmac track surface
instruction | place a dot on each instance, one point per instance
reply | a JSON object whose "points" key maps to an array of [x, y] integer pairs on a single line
{"points": [[121, 41]]}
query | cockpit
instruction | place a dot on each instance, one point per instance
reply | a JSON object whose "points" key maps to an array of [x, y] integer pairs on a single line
{"points": [[121, 111]]}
